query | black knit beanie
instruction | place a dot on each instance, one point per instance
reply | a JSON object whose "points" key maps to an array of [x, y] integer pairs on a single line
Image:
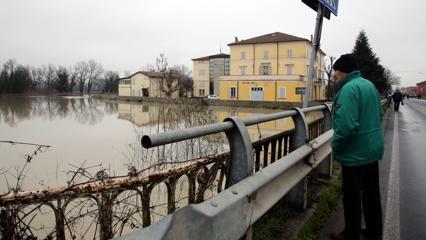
{"points": [[346, 63]]}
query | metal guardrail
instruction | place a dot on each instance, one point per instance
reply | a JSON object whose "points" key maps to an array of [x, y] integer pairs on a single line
{"points": [[231, 213]]}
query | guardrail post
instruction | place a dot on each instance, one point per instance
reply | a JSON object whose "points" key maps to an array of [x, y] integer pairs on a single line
{"points": [[241, 150], [241, 157], [298, 196], [325, 168]]}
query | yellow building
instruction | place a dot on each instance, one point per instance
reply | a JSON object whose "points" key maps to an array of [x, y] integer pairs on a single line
{"points": [[207, 71], [142, 84], [271, 67]]}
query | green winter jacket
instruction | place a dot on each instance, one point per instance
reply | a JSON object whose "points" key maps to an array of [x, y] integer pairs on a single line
{"points": [[357, 116]]}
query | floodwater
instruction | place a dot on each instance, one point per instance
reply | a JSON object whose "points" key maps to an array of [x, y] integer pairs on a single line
{"points": [[87, 135], [95, 134]]}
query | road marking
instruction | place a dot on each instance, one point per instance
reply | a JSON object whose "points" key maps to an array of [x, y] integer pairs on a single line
{"points": [[391, 226]]}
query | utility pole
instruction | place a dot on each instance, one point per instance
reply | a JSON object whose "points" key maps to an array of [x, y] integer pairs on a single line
{"points": [[314, 50]]}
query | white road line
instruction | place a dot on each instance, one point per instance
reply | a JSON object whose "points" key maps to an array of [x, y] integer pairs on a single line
{"points": [[391, 224]]}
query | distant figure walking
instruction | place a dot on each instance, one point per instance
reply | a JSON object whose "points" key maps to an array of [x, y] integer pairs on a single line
{"points": [[397, 99]]}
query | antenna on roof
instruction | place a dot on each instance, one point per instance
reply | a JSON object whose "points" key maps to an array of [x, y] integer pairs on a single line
{"points": [[220, 47]]}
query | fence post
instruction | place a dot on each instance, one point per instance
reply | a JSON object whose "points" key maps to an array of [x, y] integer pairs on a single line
{"points": [[7, 225], [326, 167], [241, 157], [105, 215], [59, 219], [298, 196]]}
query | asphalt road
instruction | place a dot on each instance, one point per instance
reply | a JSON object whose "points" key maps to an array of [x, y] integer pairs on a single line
{"points": [[412, 169]]}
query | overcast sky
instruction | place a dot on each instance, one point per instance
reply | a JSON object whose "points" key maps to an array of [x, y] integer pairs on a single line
{"points": [[128, 34]]}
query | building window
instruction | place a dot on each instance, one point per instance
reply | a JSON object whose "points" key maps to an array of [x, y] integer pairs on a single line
{"points": [[202, 84], [232, 92], [243, 70], [289, 53], [281, 92], [145, 92], [289, 69], [202, 72], [265, 69], [201, 92], [243, 56], [226, 67], [265, 54], [126, 82]]}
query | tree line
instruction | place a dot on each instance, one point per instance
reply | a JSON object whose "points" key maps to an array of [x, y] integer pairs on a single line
{"points": [[370, 66], [84, 76]]}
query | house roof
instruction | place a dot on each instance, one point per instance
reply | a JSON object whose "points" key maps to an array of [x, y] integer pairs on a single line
{"points": [[146, 73], [421, 83], [220, 55], [270, 38]]}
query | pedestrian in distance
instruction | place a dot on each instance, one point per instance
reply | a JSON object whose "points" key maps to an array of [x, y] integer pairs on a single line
{"points": [[358, 145], [397, 99], [388, 99]]}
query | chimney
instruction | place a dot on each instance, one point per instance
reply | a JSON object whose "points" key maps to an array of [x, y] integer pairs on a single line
{"points": [[312, 38], [236, 39]]}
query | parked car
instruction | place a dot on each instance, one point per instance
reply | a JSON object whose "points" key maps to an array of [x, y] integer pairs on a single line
{"points": [[213, 97], [412, 94]]}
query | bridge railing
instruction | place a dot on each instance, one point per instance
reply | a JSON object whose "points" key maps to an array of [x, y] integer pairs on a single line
{"points": [[253, 184], [209, 173]]}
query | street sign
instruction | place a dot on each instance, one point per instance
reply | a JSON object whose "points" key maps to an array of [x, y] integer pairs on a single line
{"points": [[331, 5], [300, 90], [314, 5]]}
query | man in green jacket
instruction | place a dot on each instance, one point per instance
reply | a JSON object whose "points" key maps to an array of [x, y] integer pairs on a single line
{"points": [[357, 145]]}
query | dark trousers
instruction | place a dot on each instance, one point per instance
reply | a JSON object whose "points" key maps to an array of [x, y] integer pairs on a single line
{"points": [[361, 186], [396, 105]]}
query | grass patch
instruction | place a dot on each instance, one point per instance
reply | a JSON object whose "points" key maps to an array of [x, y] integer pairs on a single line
{"points": [[272, 224], [326, 204]]}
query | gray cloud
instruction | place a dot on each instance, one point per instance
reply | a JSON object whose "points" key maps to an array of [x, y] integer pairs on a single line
{"points": [[127, 34]]}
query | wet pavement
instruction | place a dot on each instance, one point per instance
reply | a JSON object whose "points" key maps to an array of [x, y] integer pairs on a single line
{"points": [[402, 175], [412, 139]]}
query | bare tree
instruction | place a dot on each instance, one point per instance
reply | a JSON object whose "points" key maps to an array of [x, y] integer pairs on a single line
{"points": [[47, 74], [72, 79], [82, 72], [392, 78], [111, 82], [94, 73], [185, 80], [169, 81], [35, 77], [331, 84], [61, 82]]}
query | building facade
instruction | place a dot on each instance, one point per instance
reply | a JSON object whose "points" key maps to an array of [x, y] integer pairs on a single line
{"points": [[272, 67], [421, 88], [142, 84], [206, 73]]}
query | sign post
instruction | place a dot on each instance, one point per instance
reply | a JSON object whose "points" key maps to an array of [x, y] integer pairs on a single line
{"points": [[331, 5]]}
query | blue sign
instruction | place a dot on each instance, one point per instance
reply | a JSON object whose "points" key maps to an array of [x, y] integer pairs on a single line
{"points": [[332, 5]]}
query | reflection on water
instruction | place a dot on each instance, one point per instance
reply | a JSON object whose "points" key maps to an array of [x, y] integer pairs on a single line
{"points": [[87, 132], [103, 137]]}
